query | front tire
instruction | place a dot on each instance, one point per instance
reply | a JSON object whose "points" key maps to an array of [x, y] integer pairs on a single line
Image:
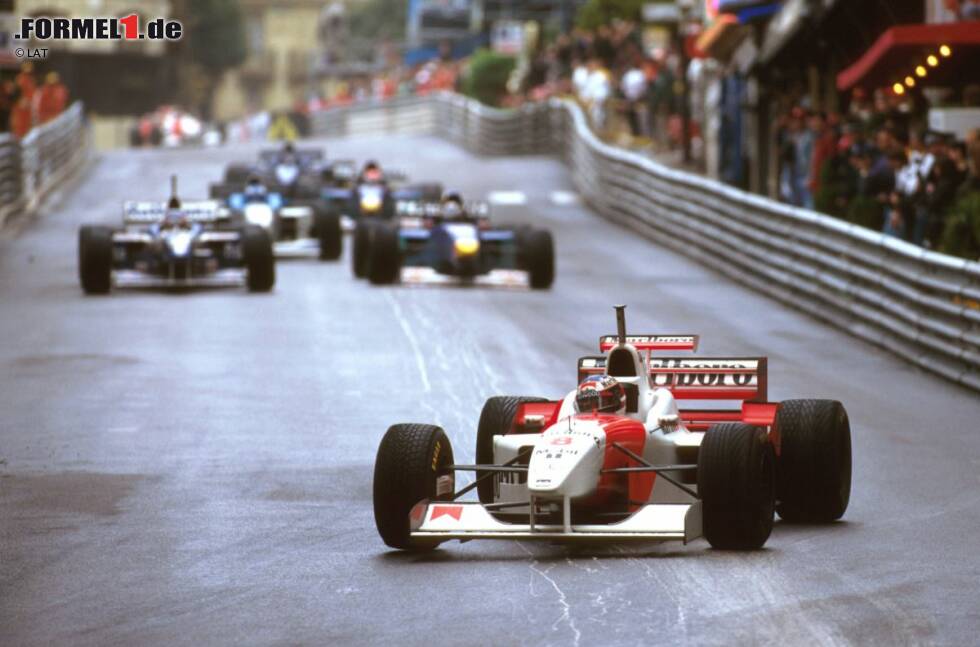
{"points": [[260, 263], [329, 234], [496, 419], [385, 259], [737, 485], [362, 249], [411, 466], [95, 259], [814, 470]]}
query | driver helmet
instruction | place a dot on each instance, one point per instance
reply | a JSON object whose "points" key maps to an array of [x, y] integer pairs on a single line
{"points": [[253, 187], [372, 172], [600, 394], [288, 149], [452, 205], [173, 216]]}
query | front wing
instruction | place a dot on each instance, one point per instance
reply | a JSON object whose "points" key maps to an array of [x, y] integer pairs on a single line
{"points": [[231, 277], [465, 521]]}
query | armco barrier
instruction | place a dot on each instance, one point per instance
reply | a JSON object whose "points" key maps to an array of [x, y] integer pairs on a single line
{"points": [[918, 304], [48, 154]]}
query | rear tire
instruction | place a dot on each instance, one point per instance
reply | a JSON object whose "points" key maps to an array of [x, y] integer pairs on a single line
{"points": [[539, 258], [737, 485], [411, 459], [237, 174], [385, 259], [496, 419], [361, 252], [95, 259], [814, 469], [260, 263], [329, 233], [430, 192], [222, 191]]}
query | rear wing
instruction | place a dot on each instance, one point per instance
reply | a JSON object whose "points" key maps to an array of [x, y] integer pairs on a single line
{"points": [[701, 378], [651, 342], [418, 209], [305, 156], [147, 213]]}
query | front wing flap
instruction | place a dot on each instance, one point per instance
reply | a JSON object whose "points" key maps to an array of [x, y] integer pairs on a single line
{"points": [[465, 521]]}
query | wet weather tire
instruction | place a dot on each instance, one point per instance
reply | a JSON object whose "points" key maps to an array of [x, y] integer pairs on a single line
{"points": [[260, 264], [329, 234], [361, 252], [410, 462], [237, 174], [95, 259], [737, 484], [814, 468], [496, 419], [385, 261], [539, 258]]}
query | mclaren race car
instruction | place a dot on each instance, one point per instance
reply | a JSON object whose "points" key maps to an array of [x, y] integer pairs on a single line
{"points": [[633, 453], [296, 229], [174, 244], [452, 238]]}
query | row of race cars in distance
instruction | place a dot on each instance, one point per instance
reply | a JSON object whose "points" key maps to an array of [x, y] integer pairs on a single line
{"points": [[648, 447], [293, 202]]}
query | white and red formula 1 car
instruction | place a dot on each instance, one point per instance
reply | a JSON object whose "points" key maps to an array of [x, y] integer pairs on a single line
{"points": [[664, 466]]}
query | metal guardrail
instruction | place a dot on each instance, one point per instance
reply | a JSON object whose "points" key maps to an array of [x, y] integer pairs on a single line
{"points": [[922, 306], [32, 167]]}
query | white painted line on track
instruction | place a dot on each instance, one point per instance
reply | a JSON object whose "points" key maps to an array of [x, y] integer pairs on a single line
{"points": [[564, 198], [412, 341], [508, 198]]}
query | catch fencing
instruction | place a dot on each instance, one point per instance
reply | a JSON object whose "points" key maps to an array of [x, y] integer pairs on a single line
{"points": [[34, 166], [923, 306]]}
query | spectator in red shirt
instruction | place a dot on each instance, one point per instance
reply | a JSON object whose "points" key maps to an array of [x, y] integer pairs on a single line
{"points": [[51, 98], [25, 80], [21, 117], [824, 146]]}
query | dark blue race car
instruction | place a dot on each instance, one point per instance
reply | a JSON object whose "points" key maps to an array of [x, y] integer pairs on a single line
{"points": [[453, 239]]}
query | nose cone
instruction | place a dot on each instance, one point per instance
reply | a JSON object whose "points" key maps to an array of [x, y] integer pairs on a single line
{"points": [[566, 461], [179, 244]]}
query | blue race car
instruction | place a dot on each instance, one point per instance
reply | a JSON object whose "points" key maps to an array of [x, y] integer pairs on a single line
{"points": [[454, 239], [373, 194], [296, 229]]}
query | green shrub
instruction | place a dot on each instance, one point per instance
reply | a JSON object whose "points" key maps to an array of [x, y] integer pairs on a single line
{"points": [[486, 78], [961, 232], [866, 212]]}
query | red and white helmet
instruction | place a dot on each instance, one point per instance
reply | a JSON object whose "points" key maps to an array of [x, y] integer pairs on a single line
{"points": [[600, 394]]}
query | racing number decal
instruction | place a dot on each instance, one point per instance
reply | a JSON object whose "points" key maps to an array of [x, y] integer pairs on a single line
{"points": [[435, 454]]}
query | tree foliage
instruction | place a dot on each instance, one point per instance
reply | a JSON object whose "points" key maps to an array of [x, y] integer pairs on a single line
{"points": [[377, 20], [216, 31], [602, 12]]}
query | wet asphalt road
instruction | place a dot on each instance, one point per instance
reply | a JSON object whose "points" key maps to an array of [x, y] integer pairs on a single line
{"points": [[186, 469]]}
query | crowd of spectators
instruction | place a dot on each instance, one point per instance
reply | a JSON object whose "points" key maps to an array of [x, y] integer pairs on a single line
{"points": [[619, 81], [874, 166], [25, 103]]}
